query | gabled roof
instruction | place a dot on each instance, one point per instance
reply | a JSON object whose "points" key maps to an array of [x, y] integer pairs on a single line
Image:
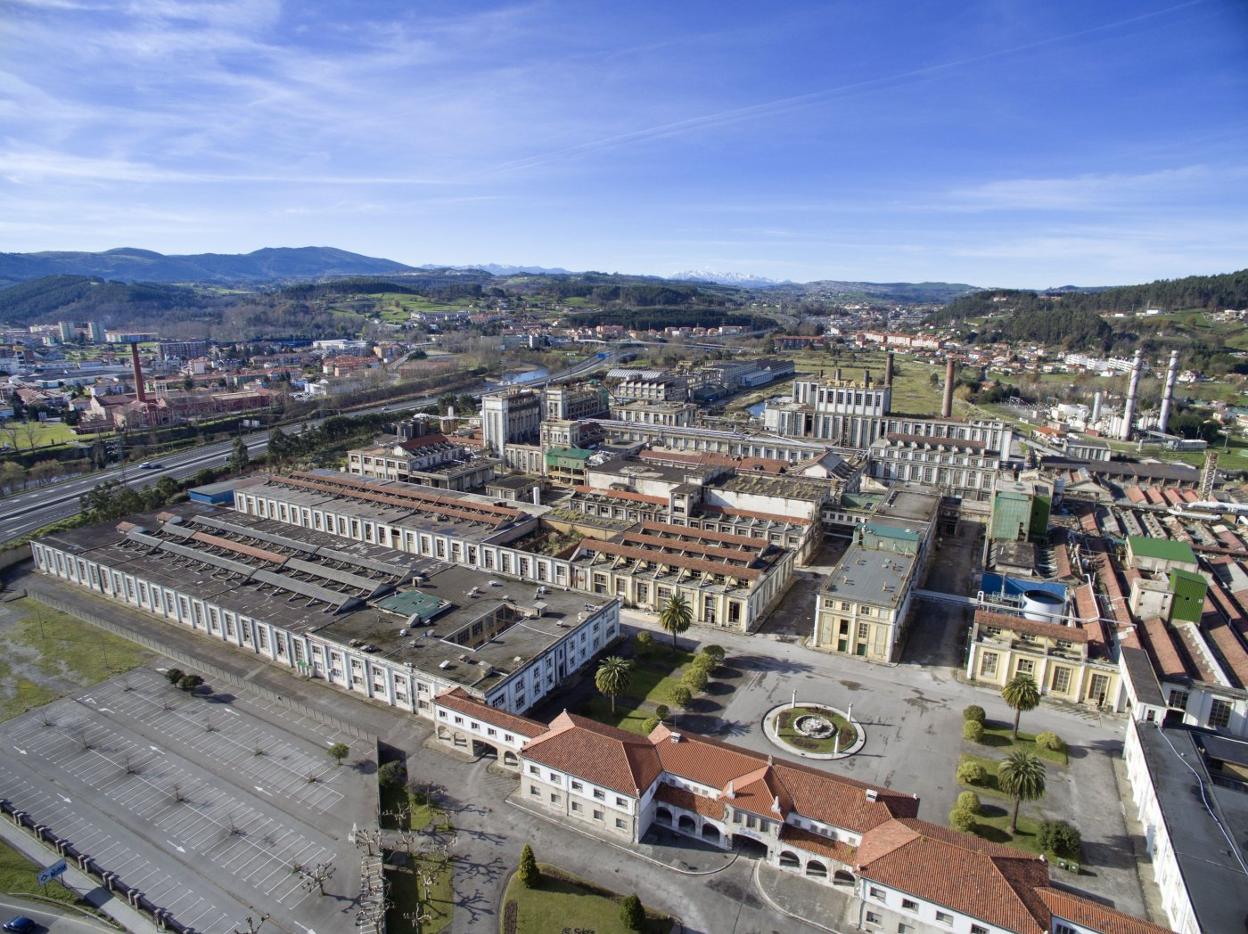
{"points": [[960, 871], [603, 755], [1090, 914], [1162, 549], [460, 700], [758, 781]]}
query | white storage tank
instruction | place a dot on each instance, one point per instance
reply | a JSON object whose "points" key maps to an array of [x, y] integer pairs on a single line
{"points": [[1042, 606]]}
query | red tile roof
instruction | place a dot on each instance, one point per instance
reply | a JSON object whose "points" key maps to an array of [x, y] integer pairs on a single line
{"points": [[1163, 649], [1031, 627], [690, 801], [820, 845], [758, 780], [994, 883], [460, 700], [1089, 914], [604, 755]]}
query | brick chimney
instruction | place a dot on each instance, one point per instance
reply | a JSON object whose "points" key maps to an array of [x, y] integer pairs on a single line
{"points": [[140, 394]]}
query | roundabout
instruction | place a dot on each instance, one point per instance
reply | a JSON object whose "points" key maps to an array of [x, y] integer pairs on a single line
{"points": [[814, 731]]}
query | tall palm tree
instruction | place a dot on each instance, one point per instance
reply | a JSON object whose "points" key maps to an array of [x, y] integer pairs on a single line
{"points": [[1021, 694], [1021, 776], [612, 677], [676, 616]]}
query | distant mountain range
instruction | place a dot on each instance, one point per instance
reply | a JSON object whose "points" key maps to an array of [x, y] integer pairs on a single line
{"points": [[130, 265], [726, 278]]}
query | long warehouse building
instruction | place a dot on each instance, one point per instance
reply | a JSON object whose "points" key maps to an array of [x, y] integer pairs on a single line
{"points": [[395, 627]]}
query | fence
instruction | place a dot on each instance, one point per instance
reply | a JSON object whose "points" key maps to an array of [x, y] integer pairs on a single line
{"points": [[217, 674]]}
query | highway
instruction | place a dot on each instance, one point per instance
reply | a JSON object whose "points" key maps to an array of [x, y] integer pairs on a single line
{"points": [[33, 509]]}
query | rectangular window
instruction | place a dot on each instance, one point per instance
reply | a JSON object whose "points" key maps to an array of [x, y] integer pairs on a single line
{"points": [[1178, 699], [978, 929], [597, 815], [877, 892], [988, 663], [620, 823], [1219, 714], [873, 917], [576, 806], [535, 791], [554, 798], [599, 794], [1026, 666], [944, 917], [909, 904], [534, 770], [1061, 680]]}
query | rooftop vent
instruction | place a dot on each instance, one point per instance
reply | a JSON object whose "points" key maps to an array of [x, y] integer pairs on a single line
{"points": [[873, 795], [444, 664], [676, 737]]}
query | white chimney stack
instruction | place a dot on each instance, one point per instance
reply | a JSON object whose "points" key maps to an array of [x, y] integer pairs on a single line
{"points": [[1128, 412], [1167, 395]]}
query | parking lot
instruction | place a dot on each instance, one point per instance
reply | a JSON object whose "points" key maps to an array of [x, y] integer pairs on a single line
{"points": [[205, 803]]}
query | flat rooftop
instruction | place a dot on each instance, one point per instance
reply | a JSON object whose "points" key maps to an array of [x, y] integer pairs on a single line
{"points": [[480, 628], [1211, 865], [908, 503], [869, 576]]}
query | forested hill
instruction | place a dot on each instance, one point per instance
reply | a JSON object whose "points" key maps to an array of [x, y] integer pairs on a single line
{"points": [[131, 265], [75, 297], [1229, 290]]}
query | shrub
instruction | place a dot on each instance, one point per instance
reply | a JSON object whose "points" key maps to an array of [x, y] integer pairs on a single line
{"points": [[1050, 740], [973, 730], [648, 725], [695, 679], [968, 801], [391, 774], [190, 682], [972, 773], [974, 712], [716, 652], [1060, 838], [174, 675], [682, 696], [632, 914], [530, 875], [662, 711], [644, 641], [702, 663], [961, 819]]}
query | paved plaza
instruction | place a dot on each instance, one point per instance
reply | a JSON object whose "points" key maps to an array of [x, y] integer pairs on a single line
{"points": [[198, 801]]}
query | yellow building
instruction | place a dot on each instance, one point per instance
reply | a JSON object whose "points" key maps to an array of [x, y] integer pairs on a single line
{"points": [[1067, 662]]}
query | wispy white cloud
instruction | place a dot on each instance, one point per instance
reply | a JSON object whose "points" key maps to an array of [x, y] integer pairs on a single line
{"points": [[1092, 191]]}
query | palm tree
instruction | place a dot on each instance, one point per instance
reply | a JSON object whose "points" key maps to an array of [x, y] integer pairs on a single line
{"points": [[676, 616], [1021, 776], [1021, 694], [612, 677]]}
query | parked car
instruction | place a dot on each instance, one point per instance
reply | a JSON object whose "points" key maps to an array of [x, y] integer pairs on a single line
{"points": [[21, 924]]}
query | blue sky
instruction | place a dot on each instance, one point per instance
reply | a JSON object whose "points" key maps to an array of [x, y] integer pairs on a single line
{"points": [[996, 143]]}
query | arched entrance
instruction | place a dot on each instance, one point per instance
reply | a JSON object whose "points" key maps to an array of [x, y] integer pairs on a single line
{"points": [[663, 816], [710, 832], [842, 877], [510, 759], [687, 824], [748, 846], [789, 860], [816, 870]]}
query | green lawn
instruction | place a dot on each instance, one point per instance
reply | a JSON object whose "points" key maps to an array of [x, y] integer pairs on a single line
{"points": [[994, 824], [411, 901], [655, 676], [990, 765], [563, 903], [45, 654], [997, 738], [789, 733], [43, 434], [19, 876]]}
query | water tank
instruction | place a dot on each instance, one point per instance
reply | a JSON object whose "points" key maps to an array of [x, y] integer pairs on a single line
{"points": [[1042, 606]]}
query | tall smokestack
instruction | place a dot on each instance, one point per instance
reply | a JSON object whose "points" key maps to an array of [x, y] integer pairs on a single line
{"points": [[1167, 397], [838, 374], [1096, 408], [866, 378], [888, 370], [140, 394], [1128, 412], [946, 404]]}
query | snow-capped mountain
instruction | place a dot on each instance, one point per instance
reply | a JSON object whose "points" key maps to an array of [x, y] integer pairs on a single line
{"points": [[724, 278]]}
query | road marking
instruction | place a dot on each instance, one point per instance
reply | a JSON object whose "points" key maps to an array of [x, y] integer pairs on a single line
{"points": [[63, 798], [20, 749], [156, 749], [262, 791], [180, 849]]}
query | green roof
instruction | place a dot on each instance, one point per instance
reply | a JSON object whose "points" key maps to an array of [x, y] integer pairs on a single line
{"points": [[576, 454], [892, 531], [413, 603], [1163, 549]]}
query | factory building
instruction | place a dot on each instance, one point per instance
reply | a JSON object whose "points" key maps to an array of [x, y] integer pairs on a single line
{"points": [[398, 628]]}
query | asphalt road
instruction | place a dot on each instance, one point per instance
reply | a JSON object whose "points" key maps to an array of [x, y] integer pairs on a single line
{"points": [[49, 918], [34, 509]]}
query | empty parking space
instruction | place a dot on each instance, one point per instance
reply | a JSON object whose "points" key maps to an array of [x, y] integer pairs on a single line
{"points": [[204, 807]]}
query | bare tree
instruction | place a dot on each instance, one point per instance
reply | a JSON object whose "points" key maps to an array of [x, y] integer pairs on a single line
{"points": [[252, 925], [132, 766], [178, 794], [317, 876]]}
